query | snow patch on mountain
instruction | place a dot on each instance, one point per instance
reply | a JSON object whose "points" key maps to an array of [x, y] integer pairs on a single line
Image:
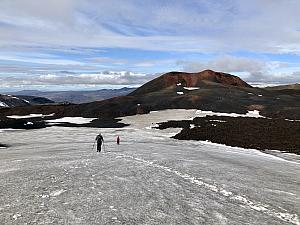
{"points": [[2, 104], [29, 116], [75, 120], [254, 113], [191, 88]]}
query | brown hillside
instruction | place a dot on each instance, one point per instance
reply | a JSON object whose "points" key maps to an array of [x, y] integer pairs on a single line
{"points": [[189, 80]]}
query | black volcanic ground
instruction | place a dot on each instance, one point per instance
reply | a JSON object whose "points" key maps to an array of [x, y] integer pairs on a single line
{"points": [[257, 133]]}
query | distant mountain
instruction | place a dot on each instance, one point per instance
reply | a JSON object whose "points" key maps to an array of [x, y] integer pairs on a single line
{"points": [[77, 96], [190, 80], [291, 89], [285, 87], [15, 101], [207, 90]]}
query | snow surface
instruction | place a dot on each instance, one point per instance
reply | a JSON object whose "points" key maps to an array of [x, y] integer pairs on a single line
{"points": [[179, 92], [29, 116], [57, 192], [12, 96], [2, 104], [191, 88], [292, 120], [9, 129], [54, 176], [254, 113], [220, 121], [154, 117], [263, 85], [75, 120]]}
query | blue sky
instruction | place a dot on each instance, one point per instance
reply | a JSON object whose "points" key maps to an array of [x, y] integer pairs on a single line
{"points": [[72, 44]]}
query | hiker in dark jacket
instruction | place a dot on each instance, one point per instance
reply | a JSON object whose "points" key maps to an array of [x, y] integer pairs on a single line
{"points": [[99, 140]]}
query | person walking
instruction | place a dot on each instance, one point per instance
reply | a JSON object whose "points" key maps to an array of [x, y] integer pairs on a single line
{"points": [[99, 140], [118, 140]]}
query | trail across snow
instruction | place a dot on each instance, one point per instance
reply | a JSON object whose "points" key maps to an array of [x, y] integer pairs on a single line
{"points": [[147, 179], [283, 215]]}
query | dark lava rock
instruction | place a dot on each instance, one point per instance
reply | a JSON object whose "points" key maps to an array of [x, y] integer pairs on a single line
{"points": [[35, 100], [174, 124], [20, 124], [245, 132]]}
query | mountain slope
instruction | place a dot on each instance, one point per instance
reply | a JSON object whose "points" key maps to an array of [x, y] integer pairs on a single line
{"points": [[285, 87], [292, 89], [14, 101], [190, 80], [77, 96]]}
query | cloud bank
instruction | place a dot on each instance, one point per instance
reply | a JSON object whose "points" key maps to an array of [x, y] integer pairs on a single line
{"points": [[66, 78]]}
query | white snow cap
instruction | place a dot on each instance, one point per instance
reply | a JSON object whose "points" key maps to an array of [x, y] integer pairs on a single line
{"points": [[3, 104]]}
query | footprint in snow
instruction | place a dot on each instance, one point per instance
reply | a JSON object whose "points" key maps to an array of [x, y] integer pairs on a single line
{"points": [[57, 192], [16, 216]]}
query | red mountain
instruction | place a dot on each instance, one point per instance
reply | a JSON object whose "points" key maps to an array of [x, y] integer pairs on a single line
{"points": [[190, 80]]}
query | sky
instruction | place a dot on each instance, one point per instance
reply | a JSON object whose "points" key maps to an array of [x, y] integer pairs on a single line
{"points": [[93, 44]]}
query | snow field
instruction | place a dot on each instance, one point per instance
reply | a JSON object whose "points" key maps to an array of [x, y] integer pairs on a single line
{"points": [[147, 179]]}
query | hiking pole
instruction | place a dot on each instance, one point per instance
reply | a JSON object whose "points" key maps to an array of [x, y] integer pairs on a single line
{"points": [[103, 147], [93, 145]]}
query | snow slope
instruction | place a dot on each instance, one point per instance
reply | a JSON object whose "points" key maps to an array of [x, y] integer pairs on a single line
{"points": [[53, 176]]}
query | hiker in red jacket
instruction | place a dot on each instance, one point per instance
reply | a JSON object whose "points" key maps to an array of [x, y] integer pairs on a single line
{"points": [[118, 140]]}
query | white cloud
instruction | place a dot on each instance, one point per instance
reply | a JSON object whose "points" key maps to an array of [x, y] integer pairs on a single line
{"points": [[252, 70], [64, 78], [196, 25], [276, 77], [225, 63]]}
